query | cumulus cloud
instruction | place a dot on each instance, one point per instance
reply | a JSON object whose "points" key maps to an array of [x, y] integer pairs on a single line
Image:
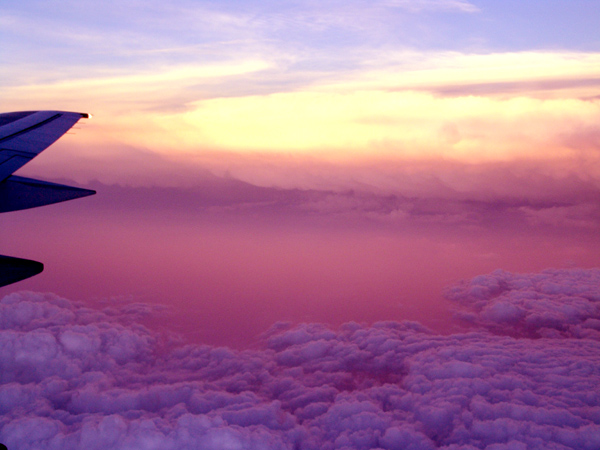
{"points": [[73, 377], [553, 303]]}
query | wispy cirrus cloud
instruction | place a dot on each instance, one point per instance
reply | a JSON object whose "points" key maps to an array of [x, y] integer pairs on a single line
{"points": [[433, 5]]}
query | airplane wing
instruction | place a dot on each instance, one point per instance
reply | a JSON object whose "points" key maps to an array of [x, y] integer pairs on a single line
{"points": [[23, 136]]}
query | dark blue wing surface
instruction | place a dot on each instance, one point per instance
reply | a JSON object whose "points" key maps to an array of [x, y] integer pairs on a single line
{"points": [[23, 136]]}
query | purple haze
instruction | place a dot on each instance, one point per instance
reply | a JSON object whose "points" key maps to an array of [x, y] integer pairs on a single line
{"points": [[229, 259]]}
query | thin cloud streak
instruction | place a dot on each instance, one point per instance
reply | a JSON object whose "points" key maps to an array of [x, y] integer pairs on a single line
{"points": [[434, 5]]}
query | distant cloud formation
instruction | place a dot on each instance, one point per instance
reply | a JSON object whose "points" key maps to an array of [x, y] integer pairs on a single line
{"points": [[526, 376], [525, 195], [553, 303]]}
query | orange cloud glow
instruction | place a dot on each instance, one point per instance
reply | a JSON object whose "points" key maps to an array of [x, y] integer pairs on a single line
{"points": [[422, 107]]}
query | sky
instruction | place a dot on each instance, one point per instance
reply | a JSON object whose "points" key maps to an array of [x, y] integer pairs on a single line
{"points": [[317, 225]]}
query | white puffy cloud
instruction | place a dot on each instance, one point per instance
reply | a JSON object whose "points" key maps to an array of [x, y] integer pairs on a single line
{"points": [[72, 378]]}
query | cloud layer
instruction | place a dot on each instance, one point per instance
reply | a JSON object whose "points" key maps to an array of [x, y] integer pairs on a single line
{"points": [[73, 377], [549, 304]]}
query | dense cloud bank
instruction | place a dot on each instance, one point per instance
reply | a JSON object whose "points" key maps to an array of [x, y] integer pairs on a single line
{"points": [[74, 378], [553, 303]]}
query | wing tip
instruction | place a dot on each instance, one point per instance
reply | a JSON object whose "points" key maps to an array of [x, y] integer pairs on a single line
{"points": [[13, 269]]}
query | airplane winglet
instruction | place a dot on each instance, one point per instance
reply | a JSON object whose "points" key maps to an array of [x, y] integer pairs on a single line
{"points": [[17, 269]]}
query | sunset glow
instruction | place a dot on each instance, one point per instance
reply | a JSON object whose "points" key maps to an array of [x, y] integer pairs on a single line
{"points": [[326, 225]]}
